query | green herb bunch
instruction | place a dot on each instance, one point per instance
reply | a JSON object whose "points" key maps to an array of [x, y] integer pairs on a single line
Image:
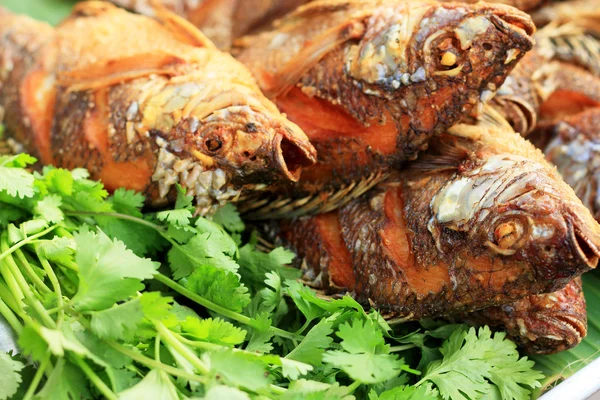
{"points": [[109, 302]]}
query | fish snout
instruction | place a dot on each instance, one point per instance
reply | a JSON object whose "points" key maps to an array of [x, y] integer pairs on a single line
{"points": [[291, 154], [516, 25], [584, 237]]}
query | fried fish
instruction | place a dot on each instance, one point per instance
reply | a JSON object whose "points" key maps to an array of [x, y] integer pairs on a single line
{"points": [[481, 219], [144, 105], [371, 82]]}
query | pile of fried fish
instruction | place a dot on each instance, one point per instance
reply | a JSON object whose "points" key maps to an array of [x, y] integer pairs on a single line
{"points": [[382, 140]]}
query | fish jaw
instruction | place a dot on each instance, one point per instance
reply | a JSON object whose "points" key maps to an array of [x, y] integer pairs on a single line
{"points": [[539, 324]]}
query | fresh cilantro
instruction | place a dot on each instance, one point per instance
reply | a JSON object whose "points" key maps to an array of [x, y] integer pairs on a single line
{"points": [[219, 286], [14, 180], [473, 361], [213, 330], [109, 272], [365, 357], [219, 318], [10, 377]]}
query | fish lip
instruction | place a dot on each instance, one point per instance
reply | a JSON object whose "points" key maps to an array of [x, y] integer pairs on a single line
{"points": [[291, 156], [519, 28], [587, 250]]}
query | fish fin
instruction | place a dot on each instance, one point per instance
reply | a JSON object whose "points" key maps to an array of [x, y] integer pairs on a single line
{"points": [[110, 72], [181, 28], [446, 154], [311, 54]]}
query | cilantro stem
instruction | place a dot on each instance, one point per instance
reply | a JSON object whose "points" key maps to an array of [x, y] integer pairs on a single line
{"points": [[140, 221], [29, 295], [33, 277], [185, 352], [25, 241], [153, 363], [35, 382], [105, 390], [402, 348], [54, 281], [9, 299], [242, 319], [10, 317], [157, 348], [354, 386], [13, 286]]}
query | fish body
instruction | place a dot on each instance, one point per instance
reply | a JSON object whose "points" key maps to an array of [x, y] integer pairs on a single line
{"points": [[221, 20], [575, 150], [144, 105], [481, 219], [371, 82], [540, 324]]}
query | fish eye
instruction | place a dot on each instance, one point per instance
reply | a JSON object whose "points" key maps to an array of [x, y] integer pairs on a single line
{"points": [[507, 234], [213, 144], [251, 127], [448, 59], [487, 46]]}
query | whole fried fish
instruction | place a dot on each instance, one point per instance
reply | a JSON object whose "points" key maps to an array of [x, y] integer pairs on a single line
{"points": [[539, 324], [479, 220], [143, 105], [221, 20], [371, 82]]}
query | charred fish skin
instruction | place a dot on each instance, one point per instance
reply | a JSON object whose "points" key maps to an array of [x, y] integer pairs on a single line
{"points": [[488, 223], [540, 324], [383, 77], [146, 115]]}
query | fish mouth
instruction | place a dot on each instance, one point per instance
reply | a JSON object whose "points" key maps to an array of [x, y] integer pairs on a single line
{"points": [[291, 156], [517, 26], [562, 332], [586, 249]]}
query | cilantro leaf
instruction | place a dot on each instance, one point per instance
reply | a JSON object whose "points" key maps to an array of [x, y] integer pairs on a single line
{"points": [[366, 357], [423, 392], [221, 392], [239, 369], [66, 382], [213, 330], [302, 389], [255, 264], [10, 379], [108, 271], [155, 385], [16, 182], [229, 217], [201, 250], [175, 217], [127, 202], [49, 208], [121, 321], [219, 286], [261, 335], [473, 361], [312, 347]]}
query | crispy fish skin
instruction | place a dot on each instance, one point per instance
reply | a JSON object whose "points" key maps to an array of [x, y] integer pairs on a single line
{"points": [[371, 82], [540, 324], [481, 220], [221, 20], [143, 105]]}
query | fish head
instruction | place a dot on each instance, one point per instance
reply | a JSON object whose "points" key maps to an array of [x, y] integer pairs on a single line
{"points": [[519, 209], [476, 45], [252, 146]]}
